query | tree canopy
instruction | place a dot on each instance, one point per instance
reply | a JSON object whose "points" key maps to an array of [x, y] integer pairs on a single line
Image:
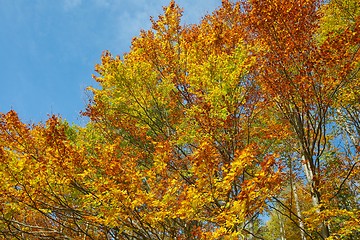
{"points": [[243, 126]]}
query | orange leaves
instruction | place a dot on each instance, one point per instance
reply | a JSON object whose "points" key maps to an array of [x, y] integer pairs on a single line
{"points": [[285, 30], [287, 22], [220, 33], [169, 23], [176, 109], [292, 58], [32, 168], [189, 130]]}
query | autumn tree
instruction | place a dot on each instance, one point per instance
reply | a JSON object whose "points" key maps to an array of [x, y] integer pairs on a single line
{"points": [[173, 150], [200, 131], [182, 99], [305, 63]]}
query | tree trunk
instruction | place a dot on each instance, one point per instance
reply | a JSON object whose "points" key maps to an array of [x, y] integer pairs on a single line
{"points": [[315, 194], [282, 227], [298, 212]]}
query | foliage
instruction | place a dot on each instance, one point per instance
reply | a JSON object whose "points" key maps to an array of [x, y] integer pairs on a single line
{"points": [[200, 131]]}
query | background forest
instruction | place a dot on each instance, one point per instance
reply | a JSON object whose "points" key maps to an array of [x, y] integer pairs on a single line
{"points": [[244, 126]]}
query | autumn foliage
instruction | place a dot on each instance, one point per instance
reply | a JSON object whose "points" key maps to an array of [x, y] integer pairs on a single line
{"points": [[244, 126]]}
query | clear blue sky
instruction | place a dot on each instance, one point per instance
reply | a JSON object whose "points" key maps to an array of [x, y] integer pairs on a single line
{"points": [[48, 48]]}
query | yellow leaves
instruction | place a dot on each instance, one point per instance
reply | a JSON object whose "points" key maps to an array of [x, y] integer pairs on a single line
{"points": [[223, 233], [169, 23], [241, 160], [337, 16], [233, 214], [347, 221], [183, 138], [193, 203]]}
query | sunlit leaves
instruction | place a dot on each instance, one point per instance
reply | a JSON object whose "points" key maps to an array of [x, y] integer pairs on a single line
{"points": [[199, 130]]}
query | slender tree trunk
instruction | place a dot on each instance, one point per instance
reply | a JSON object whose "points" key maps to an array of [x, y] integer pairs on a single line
{"points": [[282, 227], [298, 211], [251, 229], [345, 125], [315, 195]]}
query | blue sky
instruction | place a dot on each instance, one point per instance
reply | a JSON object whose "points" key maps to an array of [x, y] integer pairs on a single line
{"points": [[48, 48]]}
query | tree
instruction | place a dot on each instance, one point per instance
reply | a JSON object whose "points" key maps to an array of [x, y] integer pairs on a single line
{"points": [[303, 75], [199, 132], [191, 118]]}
